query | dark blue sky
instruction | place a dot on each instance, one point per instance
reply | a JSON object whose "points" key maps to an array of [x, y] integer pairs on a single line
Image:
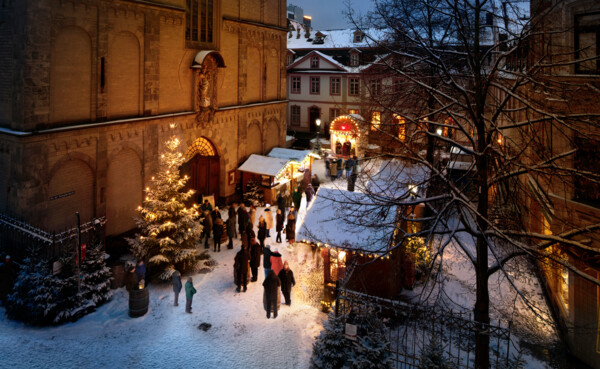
{"points": [[327, 14]]}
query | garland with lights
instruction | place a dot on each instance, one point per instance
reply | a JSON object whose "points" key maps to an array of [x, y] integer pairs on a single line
{"points": [[169, 231]]}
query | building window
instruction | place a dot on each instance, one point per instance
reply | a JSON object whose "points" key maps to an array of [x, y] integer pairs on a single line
{"points": [[400, 123], [314, 62], [353, 111], [334, 113], [375, 120], [315, 85], [375, 85], [587, 43], [334, 85], [353, 87], [587, 188], [199, 16], [296, 85], [290, 59], [295, 115], [354, 59]]}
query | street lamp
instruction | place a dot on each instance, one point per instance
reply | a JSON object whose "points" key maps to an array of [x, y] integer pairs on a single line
{"points": [[318, 143]]}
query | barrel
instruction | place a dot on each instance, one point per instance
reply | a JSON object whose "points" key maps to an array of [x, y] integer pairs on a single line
{"points": [[138, 302], [118, 276]]}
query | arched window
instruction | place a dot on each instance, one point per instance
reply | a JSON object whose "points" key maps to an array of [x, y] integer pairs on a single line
{"points": [[202, 147]]}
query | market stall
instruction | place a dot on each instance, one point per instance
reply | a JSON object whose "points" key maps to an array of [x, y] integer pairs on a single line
{"points": [[348, 135], [273, 174]]}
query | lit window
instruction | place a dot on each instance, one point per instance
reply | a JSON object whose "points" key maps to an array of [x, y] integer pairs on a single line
{"points": [[199, 16], [314, 62], [353, 111], [295, 115], [400, 122], [375, 120], [353, 87], [315, 85], [296, 85], [334, 85], [587, 39]]}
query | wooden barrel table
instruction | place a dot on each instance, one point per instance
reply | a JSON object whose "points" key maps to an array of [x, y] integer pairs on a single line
{"points": [[138, 302]]}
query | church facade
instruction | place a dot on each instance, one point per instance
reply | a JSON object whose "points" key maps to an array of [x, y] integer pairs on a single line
{"points": [[91, 90]]}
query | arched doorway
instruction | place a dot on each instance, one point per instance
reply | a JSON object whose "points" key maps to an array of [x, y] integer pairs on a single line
{"points": [[203, 169]]}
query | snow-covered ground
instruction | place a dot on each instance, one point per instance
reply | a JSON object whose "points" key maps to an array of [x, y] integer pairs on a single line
{"points": [[166, 337]]}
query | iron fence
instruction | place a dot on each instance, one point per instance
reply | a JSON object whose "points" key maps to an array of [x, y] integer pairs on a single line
{"points": [[412, 329]]}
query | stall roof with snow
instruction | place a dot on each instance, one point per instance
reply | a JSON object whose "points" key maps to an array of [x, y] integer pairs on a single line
{"points": [[332, 221], [289, 154], [266, 165]]}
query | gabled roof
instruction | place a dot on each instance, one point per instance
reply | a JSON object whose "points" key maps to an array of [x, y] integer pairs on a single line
{"points": [[327, 58], [289, 154], [266, 165]]}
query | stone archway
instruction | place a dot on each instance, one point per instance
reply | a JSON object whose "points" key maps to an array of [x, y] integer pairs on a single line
{"points": [[203, 169]]}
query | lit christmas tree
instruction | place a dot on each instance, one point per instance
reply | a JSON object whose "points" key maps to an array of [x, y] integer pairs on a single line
{"points": [[169, 230]]}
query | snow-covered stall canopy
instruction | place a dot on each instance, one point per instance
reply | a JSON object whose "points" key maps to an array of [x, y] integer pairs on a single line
{"points": [[299, 156], [393, 179], [333, 218], [264, 165]]}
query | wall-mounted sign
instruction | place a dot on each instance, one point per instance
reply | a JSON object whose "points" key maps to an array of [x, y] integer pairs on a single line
{"points": [[60, 196]]}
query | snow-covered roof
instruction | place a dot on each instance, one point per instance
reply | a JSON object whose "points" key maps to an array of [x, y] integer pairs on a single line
{"points": [[333, 217], [333, 39], [259, 164], [393, 179], [289, 154]]}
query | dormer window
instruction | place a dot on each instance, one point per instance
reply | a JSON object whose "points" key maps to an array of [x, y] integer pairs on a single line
{"points": [[314, 62], [358, 36], [354, 59]]}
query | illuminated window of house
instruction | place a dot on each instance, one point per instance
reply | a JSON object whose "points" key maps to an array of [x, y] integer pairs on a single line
{"points": [[375, 85], [354, 59], [375, 120], [337, 263], [562, 285], [315, 85], [587, 43], [295, 115], [199, 20], [334, 85], [353, 111], [449, 132], [353, 87], [296, 85], [314, 62], [400, 122]]}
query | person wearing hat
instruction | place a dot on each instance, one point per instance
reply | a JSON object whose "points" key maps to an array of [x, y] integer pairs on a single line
{"points": [[189, 295], [269, 219], [215, 214], [276, 263], [286, 276]]}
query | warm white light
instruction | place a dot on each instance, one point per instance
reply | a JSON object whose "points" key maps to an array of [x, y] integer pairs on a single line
{"points": [[318, 122], [413, 189], [439, 131]]}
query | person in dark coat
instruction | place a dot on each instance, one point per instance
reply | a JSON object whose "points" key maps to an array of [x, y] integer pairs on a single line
{"points": [[276, 263], [279, 224], [240, 270], [297, 197], [176, 279], [231, 230], [255, 254], [309, 192], [242, 214], [281, 203], [232, 215], [267, 259], [250, 230], [217, 233], [207, 225], [327, 167], [271, 294], [262, 231], [131, 279], [189, 295], [206, 206], [215, 214], [140, 271], [290, 228], [339, 167], [348, 166], [315, 182], [286, 276]]}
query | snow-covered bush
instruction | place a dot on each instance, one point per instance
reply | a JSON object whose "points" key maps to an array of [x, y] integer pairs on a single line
{"points": [[169, 230], [331, 348], [254, 194], [432, 356]]}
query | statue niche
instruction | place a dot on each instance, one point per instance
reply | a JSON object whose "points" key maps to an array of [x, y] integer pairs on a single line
{"points": [[205, 103]]}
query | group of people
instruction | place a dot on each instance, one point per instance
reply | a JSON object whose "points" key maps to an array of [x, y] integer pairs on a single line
{"points": [[212, 223], [190, 291], [336, 167]]}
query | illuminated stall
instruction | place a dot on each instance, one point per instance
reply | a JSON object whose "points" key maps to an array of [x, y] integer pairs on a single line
{"points": [[348, 135]]}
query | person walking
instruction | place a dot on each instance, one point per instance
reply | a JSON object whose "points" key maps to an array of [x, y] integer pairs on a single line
{"points": [[327, 167], [339, 165], [232, 214], [279, 225], [315, 182], [286, 276], [290, 228], [333, 170], [348, 166], [176, 280], [215, 214], [255, 254], [218, 233], [262, 231], [266, 259], [276, 263], [281, 202], [269, 219], [310, 193], [297, 197], [242, 214], [271, 295], [189, 295], [231, 230], [240, 270]]}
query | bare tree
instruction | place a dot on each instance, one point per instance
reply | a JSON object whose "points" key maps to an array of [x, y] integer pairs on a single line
{"points": [[480, 76]]}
